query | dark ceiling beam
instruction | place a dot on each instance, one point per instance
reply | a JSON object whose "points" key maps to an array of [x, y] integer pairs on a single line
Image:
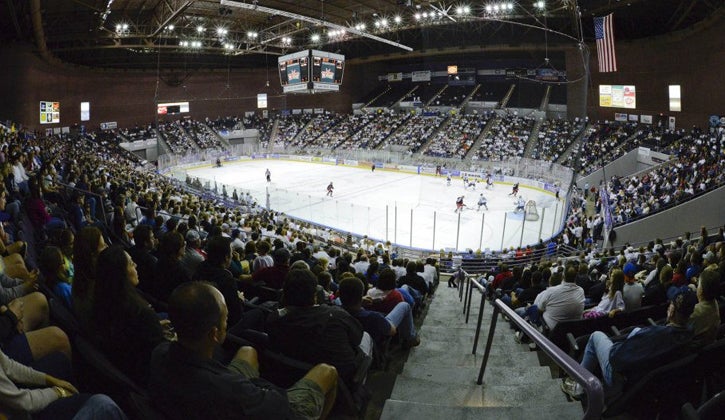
{"points": [[682, 15], [150, 45], [176, 10], [14, 17], [88, 6]]}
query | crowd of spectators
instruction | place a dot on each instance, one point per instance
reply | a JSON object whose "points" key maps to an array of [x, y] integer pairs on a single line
{"points": [[288, 126], [506, 139], [176, 138], [554, 138], [456, 140], [375, 132], [138, 133], [319, 125], [415, 132], [339, 134], [602, 145], [133, 228], [145, 235], [204, 137]]}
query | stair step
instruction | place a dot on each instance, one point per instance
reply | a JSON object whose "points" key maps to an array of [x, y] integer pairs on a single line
{"points": [[470, 394], [449, 346], [438, 358], [498, 375], [402, 410]]}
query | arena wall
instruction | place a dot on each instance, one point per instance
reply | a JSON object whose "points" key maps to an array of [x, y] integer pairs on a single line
{"points": [[691, 58]]}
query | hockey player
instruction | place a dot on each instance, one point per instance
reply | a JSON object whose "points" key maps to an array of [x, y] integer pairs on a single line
{"points": [[459, 204], [329, 189], [520, 204], [489, 181], [448, 180], [472, 184], [482, 202], [515, 189], [465, 181], [268, 175]]}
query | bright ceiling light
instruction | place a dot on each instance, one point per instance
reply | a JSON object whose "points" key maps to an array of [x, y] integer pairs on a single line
{"points": [[200, 29], [397, 19], [315, 37]]}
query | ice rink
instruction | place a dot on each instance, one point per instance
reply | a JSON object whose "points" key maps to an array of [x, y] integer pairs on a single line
{"points": [[381, 204]]}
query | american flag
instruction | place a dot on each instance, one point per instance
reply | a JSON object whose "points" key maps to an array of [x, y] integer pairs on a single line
{"points": [[604, 34]]}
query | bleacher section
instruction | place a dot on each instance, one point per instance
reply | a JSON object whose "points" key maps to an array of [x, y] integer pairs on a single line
{"points": [[492, 91], [554, 138], [453, 96], [507, 138], [456, 140], [393, 95], [527, 95], [414, 133]]}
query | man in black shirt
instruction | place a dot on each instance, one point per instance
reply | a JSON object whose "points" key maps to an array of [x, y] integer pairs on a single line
{"points": [[187, 383]]}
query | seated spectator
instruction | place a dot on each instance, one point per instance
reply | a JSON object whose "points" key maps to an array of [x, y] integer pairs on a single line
{"points": [[51, 267], [612, 302], [384, 297], [49, 396], [378, 325], [414, 283], [169, 271], [142, 254], [187, 383], [274, 276], [705, 318], [122, 319], [316, 333], [262, 260], [633, 290], [86, 247], [559, 303], [641, 349], [24, 333]]}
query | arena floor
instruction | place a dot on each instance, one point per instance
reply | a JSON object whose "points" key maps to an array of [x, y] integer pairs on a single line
{"points": [[379, 204]]}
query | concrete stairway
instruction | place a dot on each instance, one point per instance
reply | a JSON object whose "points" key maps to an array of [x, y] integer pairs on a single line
{"points": [[439, 378]]}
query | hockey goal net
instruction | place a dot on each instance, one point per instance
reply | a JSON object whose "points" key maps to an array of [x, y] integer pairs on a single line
{"points": [[530, 211]]}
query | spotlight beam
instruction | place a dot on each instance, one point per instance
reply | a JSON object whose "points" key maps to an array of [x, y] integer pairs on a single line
{"points": [[270, 11]]}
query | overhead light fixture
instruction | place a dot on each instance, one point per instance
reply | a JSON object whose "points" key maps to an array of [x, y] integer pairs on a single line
{"points": [[200, 29], [397, 19], [315, 38], [270, 11]]}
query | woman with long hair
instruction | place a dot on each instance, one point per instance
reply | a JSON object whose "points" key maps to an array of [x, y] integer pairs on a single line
{"points": [[87, 245], [613, 301], [122, 319]]}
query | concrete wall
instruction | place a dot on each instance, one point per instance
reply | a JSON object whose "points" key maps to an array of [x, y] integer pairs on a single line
{"points": [[635, 161], [689, 217]]}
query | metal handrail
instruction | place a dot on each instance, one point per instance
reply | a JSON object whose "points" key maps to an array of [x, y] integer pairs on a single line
{"points": [[481, 288], [591, 384]]}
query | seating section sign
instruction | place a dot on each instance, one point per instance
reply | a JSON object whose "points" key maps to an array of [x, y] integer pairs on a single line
{"points": [[49, 112]]}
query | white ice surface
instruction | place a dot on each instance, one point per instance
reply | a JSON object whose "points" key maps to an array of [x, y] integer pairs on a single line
{"points": [[362, 198]]}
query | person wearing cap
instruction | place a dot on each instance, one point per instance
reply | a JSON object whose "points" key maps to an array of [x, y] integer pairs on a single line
{"points": [[274, 276], [192, 253], [633, 290], [642, 349]]}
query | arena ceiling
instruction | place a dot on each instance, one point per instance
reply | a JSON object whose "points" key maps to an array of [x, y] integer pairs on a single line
{"points": [[194, 34]]}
